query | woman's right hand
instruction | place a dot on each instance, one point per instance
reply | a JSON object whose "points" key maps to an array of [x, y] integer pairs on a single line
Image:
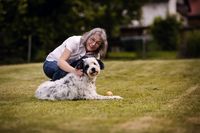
{"points": [[79, 72]]}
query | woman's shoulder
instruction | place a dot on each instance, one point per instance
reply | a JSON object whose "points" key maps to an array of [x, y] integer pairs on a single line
{"points": [[75, 38]]}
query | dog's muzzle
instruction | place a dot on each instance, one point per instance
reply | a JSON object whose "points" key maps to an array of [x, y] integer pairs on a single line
{"points": [[93, 71]]}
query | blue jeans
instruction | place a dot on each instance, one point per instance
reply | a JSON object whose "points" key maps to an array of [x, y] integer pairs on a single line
{"points": [[52, 70]]}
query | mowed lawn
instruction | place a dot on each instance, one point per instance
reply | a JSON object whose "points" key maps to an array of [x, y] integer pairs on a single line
{"points": [[160, 96]]}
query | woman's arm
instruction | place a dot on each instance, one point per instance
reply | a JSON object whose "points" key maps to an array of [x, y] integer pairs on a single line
{"points": [[64, 65]]}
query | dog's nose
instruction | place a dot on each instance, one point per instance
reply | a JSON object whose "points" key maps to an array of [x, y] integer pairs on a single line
{"points": [[93, 69]]}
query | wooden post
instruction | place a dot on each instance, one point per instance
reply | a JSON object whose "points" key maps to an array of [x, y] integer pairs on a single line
{"points": [[144, 47], [29, 48]]}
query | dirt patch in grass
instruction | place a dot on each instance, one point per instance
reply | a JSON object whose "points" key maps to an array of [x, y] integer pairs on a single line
{"points": [[148, 124], [194, 120], [141, 123]]}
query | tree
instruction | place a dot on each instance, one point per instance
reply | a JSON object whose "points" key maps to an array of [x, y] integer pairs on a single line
{"points": [[166, 32], [50, 22]]}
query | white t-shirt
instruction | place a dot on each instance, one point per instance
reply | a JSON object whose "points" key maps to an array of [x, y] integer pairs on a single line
{"points": [[73, 45]]}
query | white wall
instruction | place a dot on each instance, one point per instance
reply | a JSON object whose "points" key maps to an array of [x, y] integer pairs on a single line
{"points": [[172, 7], [152, 10]]}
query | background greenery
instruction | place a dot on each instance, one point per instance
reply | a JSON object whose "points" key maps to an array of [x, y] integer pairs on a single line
{"points": [[50, 22], [166, 33], [192, 47]]}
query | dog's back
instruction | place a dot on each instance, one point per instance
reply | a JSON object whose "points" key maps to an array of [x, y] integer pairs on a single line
{"points": [[70, 87]]}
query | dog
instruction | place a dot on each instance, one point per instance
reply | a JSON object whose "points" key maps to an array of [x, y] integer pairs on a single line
{"points": [[73, 87]]}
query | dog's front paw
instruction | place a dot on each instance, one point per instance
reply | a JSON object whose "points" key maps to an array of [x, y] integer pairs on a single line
{"points": [[117, 97]]}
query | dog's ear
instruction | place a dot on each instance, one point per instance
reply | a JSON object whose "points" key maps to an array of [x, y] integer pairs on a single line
{"points": [[80, 64], [101, 64]]}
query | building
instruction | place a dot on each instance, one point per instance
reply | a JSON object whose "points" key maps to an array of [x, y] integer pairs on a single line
{"points": [[190, 11], [186, 11], [157, 9]]}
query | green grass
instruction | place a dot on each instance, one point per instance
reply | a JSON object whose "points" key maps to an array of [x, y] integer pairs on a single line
{"points": [[159, 97], [149, 55], [122, 55], [162, 55]]}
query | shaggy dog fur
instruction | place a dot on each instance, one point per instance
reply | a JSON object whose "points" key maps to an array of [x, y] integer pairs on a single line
{"points": [[74, 87]]}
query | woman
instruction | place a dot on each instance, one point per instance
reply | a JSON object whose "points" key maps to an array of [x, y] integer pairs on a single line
{"points": [[58, 62]]}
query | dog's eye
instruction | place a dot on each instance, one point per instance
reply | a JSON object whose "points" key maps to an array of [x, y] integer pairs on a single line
{"points": [[95, 63]]}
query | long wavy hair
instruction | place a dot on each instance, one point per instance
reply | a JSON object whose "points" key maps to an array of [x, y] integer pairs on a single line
{"points": [[101, 51]]}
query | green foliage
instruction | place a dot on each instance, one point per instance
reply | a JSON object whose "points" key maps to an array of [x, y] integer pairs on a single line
{"points": [[50, 22], [193, 44], [166, 32]]}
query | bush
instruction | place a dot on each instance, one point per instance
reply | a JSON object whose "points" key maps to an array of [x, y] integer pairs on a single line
{"points": [[166, 32], [193, 45]]}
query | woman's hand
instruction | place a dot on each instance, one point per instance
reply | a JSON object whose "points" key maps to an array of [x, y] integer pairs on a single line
{"points": [[78, 72]]}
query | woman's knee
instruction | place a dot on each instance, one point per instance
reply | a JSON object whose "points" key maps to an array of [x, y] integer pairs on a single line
{"points": [[49, 68], [58, 74]]}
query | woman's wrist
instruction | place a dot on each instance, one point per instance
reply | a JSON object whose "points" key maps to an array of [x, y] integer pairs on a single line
{"points": [[73, 70]]}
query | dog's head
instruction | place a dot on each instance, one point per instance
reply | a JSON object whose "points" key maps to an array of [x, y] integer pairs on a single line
{"points": [[90, 66]]}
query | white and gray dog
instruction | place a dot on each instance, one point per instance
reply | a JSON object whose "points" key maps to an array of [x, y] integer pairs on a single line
{"points": [[74, 87]]}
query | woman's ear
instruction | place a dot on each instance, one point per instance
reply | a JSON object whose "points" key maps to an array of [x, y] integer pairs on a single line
{"points": [[101, 64]]}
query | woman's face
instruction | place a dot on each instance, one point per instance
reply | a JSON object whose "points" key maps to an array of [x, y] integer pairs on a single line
{"points": [[93, 42]]}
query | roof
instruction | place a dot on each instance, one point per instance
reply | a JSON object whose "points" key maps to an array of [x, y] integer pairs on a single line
{"points": [[195, 7], [188, 7]]}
